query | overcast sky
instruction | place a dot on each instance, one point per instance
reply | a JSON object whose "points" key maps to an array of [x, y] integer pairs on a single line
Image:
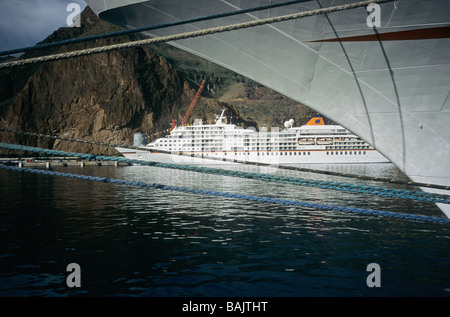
{"points": [[27, 22]]}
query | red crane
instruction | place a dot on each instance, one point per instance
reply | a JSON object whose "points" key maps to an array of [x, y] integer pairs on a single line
{"points": [[191, 106]]}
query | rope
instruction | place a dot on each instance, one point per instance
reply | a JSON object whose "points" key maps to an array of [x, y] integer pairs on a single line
{"points": [[293, 168], [187, 35], [371, 190], [365, 177], [64, 138], [148, 28], [231, 195]]}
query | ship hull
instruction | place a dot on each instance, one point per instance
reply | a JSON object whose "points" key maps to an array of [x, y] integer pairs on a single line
{"points": [[388, 85], [270, 158]]}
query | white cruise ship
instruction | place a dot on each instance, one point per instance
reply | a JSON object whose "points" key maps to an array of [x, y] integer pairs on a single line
{"points": [[221, 142]]}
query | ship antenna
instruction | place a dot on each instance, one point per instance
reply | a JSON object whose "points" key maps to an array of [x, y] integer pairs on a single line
{"points": [[220, 118]]}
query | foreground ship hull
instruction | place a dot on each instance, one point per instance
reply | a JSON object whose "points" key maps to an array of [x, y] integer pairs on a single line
{"points": [[388, 85]]}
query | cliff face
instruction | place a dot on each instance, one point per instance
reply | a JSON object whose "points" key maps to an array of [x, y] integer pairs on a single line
{"points": [[101, 98], [104, 97]]}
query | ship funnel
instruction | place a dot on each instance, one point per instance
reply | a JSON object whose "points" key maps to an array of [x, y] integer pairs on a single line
{"points": [[317, 120]]}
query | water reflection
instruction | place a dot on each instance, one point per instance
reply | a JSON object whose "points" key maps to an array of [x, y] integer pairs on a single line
{"points": [[139, 242]]}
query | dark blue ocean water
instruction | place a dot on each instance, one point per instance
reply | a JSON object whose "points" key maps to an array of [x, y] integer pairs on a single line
{"points": [[130, 241]]}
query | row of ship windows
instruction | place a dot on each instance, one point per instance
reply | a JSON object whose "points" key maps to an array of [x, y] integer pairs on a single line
{"points": [[263, 144], [262, 130], [296, 153], [254, 141], [347, 147], [268, 153], [346, 153], [309, 153]]}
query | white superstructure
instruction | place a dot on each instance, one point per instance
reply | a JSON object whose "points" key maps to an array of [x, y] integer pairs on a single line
{"points": [[314, 142]]}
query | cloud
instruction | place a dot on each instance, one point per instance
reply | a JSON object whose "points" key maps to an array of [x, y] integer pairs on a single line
{"points": [[27, 22]]}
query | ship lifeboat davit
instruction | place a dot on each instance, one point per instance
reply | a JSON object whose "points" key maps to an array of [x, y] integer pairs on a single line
{"points": [[306, 141], [324, 141]]}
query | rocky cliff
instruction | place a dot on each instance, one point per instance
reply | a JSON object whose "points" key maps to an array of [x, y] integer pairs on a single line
{"points": [[110, 96]]}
